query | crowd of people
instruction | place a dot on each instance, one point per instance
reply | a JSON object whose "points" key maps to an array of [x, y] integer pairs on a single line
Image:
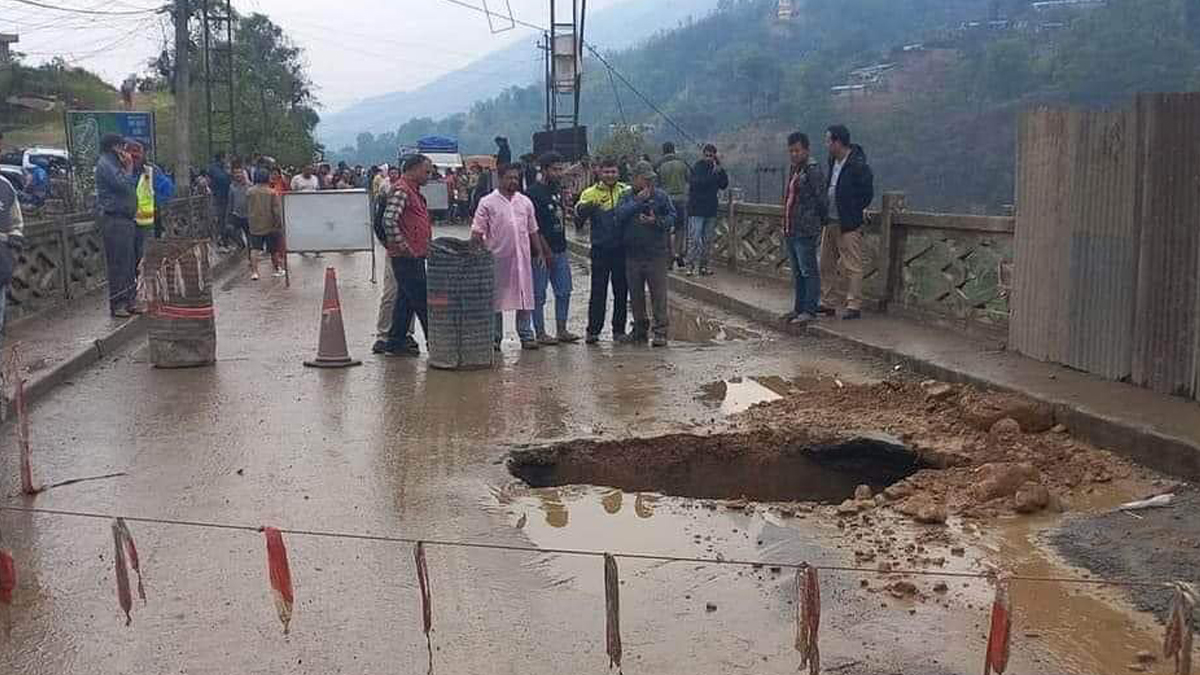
{"points": [[662, 215], [665, 215]]}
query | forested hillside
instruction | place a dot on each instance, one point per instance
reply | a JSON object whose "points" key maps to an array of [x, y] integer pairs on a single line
{"points": [[938, 123]]}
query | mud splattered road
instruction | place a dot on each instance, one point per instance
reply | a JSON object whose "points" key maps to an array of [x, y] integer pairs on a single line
{"points": [[396, 448]]}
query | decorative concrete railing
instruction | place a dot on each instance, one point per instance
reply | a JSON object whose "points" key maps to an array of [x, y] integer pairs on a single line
{"points": [[951, 267], [63, 256]]}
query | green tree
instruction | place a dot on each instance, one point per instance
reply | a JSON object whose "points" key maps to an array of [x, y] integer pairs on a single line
{"points": [[1126, 47]]}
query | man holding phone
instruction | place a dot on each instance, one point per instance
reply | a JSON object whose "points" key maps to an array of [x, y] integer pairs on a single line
{"points": [[646, 216]]}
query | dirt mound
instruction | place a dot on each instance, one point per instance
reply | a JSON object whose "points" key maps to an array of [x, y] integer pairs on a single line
{"points": [[990, 452]]}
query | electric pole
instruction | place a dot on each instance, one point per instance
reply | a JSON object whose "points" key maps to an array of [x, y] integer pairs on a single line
{"points": [[183, 97]]}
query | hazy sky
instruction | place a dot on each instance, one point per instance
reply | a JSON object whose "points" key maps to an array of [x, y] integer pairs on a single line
{"points": [[355, 48]]}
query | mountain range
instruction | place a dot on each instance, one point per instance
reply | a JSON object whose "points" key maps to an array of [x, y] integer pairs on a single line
{"points": [[617, 27]]}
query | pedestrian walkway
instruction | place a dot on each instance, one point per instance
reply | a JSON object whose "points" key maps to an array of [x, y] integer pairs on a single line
{"points": [[49, 340], [1154, 429]]}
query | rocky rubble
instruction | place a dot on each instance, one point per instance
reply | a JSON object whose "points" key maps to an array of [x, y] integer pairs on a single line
{"points": [[987, 452]]}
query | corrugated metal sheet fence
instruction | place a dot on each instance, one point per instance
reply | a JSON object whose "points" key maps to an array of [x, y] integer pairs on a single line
{"points": [[1107, 242]]}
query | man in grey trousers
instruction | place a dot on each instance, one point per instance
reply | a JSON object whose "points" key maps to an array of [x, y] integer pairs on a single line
{"points": [[116, 207]]}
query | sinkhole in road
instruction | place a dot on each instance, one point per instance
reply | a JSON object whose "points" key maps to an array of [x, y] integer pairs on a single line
{"points": [[759, 465]]}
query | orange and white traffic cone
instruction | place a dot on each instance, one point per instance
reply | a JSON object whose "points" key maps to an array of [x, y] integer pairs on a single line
{"points": [[331, 349]]}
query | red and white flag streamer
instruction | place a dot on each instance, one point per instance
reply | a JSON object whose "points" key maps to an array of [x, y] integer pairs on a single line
{"points": [[281, 576], [18, 380], [426, 599], [808, 618], [121, 567], [8, 584], [131, 555], [996, 659], [612, 611], [1180, 626]]}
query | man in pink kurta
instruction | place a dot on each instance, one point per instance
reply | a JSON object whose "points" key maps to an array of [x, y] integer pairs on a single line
{"points": [[505, 223]]}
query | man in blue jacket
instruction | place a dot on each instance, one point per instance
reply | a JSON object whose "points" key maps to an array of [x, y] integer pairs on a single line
{"points": [[116, 207], [646, 216], [850, 191], [599, 203]]}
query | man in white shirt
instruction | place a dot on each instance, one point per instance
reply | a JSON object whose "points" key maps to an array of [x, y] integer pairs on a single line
{"points": [[306, 180]]}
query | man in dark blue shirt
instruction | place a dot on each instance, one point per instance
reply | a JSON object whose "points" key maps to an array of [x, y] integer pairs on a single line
{"points": [[546, 195]]}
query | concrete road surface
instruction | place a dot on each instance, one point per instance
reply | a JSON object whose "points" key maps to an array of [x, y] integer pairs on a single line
{"points": [[394, 447]]}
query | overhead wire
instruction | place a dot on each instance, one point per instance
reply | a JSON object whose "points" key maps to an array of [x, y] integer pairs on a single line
{"points": [[596, 53], [96, 12]]}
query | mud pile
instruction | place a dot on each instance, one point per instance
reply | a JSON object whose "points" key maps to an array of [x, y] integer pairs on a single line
{"points": [[989, 452]]}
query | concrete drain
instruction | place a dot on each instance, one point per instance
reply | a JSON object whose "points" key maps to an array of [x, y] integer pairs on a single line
{"points": [[757, 465]]}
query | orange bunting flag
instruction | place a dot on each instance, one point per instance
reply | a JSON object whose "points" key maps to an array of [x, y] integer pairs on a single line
{"points": [[808, 618], [1001, 632], [280, 575], [124, 597], [1178, 641], [426, 599], [612, 611], [132, 556], [8, 584]]}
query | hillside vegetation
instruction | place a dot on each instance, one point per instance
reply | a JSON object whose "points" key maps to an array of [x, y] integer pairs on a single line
{"points": [[940, 124]]}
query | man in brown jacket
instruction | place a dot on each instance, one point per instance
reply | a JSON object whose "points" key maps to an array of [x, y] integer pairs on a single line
{"points": [[265, 212]]}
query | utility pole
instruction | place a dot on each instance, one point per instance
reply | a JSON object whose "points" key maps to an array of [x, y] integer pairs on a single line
{"points": [[183, 97]]}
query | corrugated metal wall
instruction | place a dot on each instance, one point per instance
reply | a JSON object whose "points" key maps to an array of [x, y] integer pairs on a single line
{"points": [[1107, 246], [1165, 351]]}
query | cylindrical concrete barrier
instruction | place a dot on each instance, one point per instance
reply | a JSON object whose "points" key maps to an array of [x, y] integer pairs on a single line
{"points": [[178, 284]]}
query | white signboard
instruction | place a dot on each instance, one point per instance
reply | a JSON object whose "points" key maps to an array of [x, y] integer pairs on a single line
{"points": [[328, 220]]}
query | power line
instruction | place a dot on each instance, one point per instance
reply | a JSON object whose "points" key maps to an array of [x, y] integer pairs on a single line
{"points": [[97, 12], [639, 94], [611, 69]]}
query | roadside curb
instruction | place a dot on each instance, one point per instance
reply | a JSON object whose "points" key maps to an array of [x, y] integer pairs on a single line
{"points": [[1145, 445], [104, 346]]}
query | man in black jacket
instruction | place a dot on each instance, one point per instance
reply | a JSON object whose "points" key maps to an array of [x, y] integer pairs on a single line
{"points": [[851, 189], [708, 178]]}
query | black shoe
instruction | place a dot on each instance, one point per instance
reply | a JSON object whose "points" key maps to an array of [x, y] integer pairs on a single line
{"points": [[659, 341], [379, 347], [851, 314], [826, 311], [402, 351], [411, 343], [591, 339], [632, 339]]}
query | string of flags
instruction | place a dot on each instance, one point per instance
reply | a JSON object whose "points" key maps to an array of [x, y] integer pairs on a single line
{"points": [[1177, 642]]}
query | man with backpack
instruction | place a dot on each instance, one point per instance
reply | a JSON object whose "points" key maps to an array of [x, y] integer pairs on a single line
{"points": [[387, 299], [805, 211], [407, 232]]}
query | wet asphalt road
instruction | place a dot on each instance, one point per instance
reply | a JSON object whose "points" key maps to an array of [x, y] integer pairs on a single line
{"points": [[396, 448]]}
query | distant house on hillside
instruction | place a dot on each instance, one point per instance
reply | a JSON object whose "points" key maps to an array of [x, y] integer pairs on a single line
{"points": [[1046, 5]]}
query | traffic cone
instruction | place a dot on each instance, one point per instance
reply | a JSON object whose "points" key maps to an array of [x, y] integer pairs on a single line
{"points": [[331, 349]]}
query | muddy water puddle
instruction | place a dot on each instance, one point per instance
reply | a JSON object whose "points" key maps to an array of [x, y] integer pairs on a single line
{"points": [[688, 324]]}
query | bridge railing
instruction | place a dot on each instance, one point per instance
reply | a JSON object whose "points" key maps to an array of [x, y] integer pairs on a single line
{"points": [[952, 268], [63, 256]]}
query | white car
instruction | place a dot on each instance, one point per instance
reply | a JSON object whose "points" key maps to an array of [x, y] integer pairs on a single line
{"points": [[51, 156]]}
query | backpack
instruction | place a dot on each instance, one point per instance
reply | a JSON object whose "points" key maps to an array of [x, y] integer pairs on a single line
{"points": [[378, 218]]}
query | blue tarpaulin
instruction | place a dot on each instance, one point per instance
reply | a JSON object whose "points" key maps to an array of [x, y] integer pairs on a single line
{"points": [[437, 144]]}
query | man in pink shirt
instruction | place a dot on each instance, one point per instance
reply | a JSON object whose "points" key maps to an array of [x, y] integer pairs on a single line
{"points": [[505, 223]]}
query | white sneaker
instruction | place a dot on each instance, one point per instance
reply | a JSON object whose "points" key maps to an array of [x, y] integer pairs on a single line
{"points": [[254, 276], [280, 273]]}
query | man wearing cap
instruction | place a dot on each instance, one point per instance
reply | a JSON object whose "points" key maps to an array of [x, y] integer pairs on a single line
{"points": [[646, 216]]}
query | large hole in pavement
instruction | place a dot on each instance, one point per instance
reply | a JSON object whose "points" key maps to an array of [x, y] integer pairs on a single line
{"points": [[756, 465]]}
